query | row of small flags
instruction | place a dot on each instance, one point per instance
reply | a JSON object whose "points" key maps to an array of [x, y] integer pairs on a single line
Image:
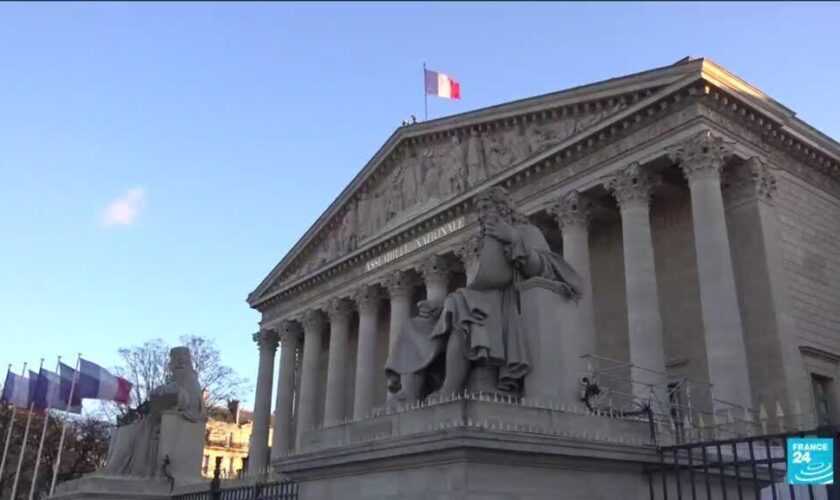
{"points": [[61, 390]]}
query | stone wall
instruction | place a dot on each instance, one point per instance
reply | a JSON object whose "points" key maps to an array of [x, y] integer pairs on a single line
{"points": [[809, 226]]}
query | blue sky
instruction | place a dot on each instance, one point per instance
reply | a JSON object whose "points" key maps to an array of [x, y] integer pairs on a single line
{"points": [[158, 159]]}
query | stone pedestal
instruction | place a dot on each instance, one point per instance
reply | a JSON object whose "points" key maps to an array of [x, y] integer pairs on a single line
{"points": [[549, 324], [475, 449], [94, 487], [183, 442]]}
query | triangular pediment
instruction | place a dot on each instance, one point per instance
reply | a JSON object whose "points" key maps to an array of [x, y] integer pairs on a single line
{"points": [[425, 165]]}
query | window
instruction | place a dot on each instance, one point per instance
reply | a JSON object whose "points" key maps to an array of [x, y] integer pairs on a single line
{"points": [[821, 387]]}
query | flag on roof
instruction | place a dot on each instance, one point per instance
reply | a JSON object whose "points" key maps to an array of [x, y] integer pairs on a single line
{"points": [[95, 382], [16, 390], [442, 85], [53, 392]]}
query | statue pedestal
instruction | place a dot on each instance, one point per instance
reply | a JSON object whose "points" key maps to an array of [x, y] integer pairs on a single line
{"points": [[183, 442], [97, 487], [475, 449], [548, 321]]}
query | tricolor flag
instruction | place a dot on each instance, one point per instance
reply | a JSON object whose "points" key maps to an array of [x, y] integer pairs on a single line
{"points": [[95, 382], [442, 85], [18, 390], [53, 392]]}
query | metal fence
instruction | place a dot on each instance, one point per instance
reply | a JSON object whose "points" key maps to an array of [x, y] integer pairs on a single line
{"points": [[276, 490], [740, 468]]}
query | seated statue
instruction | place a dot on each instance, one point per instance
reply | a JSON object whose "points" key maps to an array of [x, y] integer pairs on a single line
{"points": [[134, 449], [479, 325]]}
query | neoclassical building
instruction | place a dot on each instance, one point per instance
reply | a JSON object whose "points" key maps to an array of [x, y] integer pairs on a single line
{"points": [[702, 216]]}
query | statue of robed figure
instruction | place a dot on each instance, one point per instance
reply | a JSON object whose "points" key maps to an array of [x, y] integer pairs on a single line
{"points": [[479, 325], [142, 448]]}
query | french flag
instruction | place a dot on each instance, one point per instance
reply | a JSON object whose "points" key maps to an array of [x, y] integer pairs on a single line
{"points": [[95, 382], [53, 392], [442, 85], [18, 390]]}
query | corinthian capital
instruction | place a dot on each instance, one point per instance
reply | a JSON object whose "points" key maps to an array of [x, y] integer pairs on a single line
{"points": [[752, 180], [314, 320], [339, 309], [572, 210], [266, 340], [368, 297], [435, 268], [290, 332], [632, 186], [701, 156], [399, 284]]}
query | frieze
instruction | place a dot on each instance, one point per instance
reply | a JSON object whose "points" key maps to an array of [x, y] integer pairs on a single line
{"points": [[426, 175], [415, 244]]}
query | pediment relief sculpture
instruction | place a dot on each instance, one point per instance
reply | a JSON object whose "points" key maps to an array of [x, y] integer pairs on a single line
{"points": [[430, 174]]}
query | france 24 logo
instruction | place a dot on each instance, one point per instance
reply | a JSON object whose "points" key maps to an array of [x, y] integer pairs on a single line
{"points": [[810, 460]]}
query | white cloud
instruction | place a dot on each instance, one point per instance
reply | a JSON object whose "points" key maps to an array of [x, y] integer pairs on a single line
{"points": [[124, 210]]}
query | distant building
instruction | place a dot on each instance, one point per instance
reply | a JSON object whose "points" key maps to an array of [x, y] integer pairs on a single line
{"points": [[228, 436]]}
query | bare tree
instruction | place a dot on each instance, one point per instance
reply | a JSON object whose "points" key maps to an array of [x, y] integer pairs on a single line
{"points": [[146, 367]]}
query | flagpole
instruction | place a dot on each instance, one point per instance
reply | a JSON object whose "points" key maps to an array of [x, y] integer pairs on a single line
{"points": [[25, 438], [64, 425], [47, 401], [9, 432], [425, 96]]}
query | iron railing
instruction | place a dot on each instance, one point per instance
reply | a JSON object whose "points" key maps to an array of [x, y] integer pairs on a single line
{"points": [[753, 467], [270, 490]]}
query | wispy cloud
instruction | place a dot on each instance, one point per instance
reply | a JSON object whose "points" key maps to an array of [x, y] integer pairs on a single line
{"points": [[124, 210]]}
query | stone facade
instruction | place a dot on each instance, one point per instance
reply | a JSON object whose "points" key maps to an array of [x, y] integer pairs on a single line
{"points": [[702, 216]]}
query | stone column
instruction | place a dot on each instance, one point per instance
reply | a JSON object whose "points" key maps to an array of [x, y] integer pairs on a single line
{"points": [[701, 159], [400, 287], [573, 213], [313, 330], [436, 272], [283, 441], [368, 299], [340, 311], [632, 189], [258, 454], [775, 363]]}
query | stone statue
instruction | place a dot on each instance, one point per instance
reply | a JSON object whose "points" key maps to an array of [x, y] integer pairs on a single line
{"points": [[456, 167], [519, 144], [412, 178], [142, 448], [479, 325], [499, 156]]}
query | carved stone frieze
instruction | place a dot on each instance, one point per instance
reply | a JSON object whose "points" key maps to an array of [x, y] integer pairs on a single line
{"points": [[426, 175], [632, 186], [701, 156], [574, 209]]}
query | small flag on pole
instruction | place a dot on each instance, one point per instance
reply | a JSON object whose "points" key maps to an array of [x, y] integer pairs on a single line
{"points": [[17, 391], [442, 85], [95, 382]]}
